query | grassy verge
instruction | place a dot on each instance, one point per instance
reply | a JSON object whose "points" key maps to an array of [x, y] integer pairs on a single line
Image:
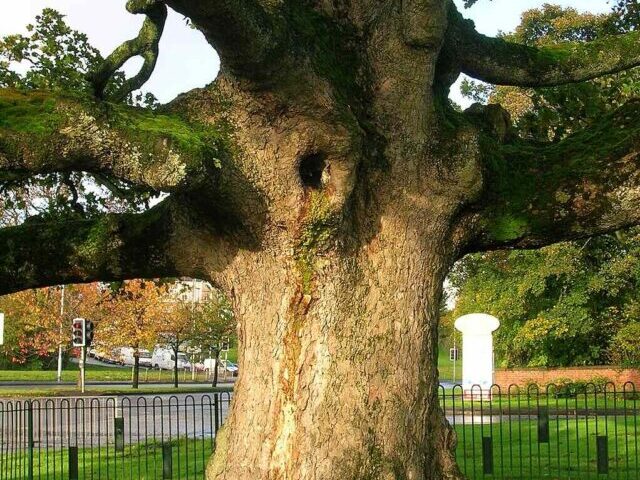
{"points": [[506, 404], [97, 373], [139, 462], [445, 367], [570, 453]]}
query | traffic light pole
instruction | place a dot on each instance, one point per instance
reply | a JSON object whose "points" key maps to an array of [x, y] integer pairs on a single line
{"points": [[83, 357]]}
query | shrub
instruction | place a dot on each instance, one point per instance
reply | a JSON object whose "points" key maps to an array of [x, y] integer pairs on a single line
{"points": [[624, 349]]}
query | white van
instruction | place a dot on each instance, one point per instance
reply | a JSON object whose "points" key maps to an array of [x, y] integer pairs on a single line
{"points": [[126, 357], [163, 358]]}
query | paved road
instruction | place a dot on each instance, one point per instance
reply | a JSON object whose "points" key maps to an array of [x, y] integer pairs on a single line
{"points": [[91, 421]]}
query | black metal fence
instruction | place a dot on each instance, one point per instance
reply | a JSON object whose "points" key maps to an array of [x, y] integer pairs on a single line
{"points": [[160, 437], [572, 430], [560, 431]]}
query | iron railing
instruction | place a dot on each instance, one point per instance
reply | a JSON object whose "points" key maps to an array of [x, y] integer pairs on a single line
{"points": [[576, 431], [160, 437], [560, 431]]}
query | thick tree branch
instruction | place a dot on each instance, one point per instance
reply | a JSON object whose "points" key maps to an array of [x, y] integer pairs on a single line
{"points": [[44, 133], [247, 35], [538, 194], [144, 45], [114, 247], [500, 62]]}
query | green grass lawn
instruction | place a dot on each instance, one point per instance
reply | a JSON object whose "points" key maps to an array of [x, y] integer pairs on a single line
{"points": [[137, 462], [516, 454], [95, 373], [452, 400], [570, 453], [445, 366]]}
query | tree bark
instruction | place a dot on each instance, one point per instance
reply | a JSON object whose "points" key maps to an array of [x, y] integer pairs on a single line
{"points": [[336, 377]]}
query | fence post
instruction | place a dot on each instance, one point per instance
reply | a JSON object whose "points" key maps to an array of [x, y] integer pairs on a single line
{"points": [[216, 414], [543, 424], [487, 455], [118, 428], [167, 462], [30, 440], [73, 463], [603, 454]]}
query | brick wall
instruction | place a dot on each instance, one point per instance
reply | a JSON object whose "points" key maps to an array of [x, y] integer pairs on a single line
{"points": [[543, 376]]}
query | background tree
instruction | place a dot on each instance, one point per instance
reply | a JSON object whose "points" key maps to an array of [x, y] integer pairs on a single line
{"points": [[177, 330], [32, 332], [562, 305], [325, 182], [134, 312], [559, 306], [34, 327], [214, 325], [625, 347]]}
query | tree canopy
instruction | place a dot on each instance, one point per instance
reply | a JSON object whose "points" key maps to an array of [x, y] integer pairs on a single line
{"points": [[560, 306], [568, 304]]}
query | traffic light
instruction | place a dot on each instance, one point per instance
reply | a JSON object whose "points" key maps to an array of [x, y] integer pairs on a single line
{"points": [[78, 332], [88, 332]]}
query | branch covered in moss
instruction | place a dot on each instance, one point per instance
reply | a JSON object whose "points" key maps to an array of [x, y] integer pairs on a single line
{"points": [[500, 62], [144, 45], [538, 194], [44, 133], [114, 247]]}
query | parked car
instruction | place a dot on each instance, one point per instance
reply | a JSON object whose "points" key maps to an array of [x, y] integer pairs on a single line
{"points": [[164, 358], [114, 356], [100, 353], [199, 367], [229, 367], [224, 366], [145, 358], [126, 357]]}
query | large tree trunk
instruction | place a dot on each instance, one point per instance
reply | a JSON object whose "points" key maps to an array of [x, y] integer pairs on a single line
{"points": [[338, 375], [338, 302]]}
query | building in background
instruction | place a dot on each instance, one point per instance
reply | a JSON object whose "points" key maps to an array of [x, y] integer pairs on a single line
{"points": [[190, 290]]}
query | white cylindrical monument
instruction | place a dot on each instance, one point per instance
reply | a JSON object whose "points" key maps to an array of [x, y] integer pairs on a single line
{"points": [[477, 352]]}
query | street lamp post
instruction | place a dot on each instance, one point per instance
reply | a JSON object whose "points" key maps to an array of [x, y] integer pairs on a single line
{"points": [[61, 333]]}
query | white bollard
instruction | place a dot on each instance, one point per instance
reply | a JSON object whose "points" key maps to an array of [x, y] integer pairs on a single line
{"points": [[477, 353]]}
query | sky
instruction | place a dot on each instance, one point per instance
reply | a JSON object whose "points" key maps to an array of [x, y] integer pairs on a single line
{"points": [[187, 61]]}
